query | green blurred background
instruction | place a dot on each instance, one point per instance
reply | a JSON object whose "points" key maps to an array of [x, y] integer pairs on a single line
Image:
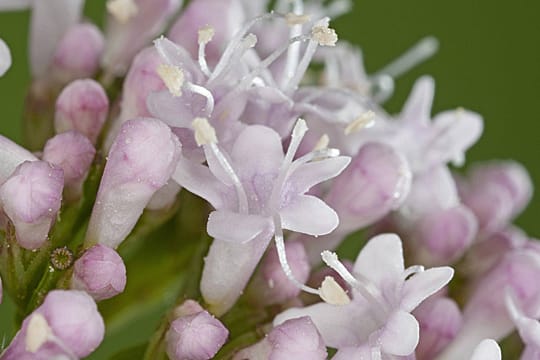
{"points": [[489, 62]]}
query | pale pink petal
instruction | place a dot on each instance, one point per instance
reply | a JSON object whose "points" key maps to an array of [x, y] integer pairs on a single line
{"points": [[381, 260], [417, 109], [235, 227], [424, 284], [309, 215], [487, 350], [313, 173], [400, 335]]}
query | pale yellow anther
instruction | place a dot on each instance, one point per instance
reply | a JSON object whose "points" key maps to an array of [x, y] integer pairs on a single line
{"points": [[332, 293], [363, 121], [122, 10], [206, 34], [173, 77], [296, 19], [204, 132], [322, 143], [37, 333], [324, 35], [250, 40]]}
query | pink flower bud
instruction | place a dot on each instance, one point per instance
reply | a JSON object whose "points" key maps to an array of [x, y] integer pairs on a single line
{"points": [[444, 235], [73, 153], [132, 27], [141, 160], [270, 285], [196, 336], [78, 53], [31, 197], [66, 325], [82, 106], [485, 314], [100, 272], [225, 17], [11, 156], [440, 321], [294, 339], [376, 182]]}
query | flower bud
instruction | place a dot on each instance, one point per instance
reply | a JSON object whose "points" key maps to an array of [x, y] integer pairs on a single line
{"points": [[444, 235], [141, 80], [294, 339], [66, 325], [225, 17], [132, 27], [141, 160], [195, 336], [270, 285], [11, 156], [82, 106], [100, 272], [31, 197], [78, 53], [440, 321], [376, 182], [73, 153], [485, 314]]}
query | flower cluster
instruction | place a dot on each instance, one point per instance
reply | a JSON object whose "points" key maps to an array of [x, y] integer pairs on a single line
{"points": [[216, 162]]}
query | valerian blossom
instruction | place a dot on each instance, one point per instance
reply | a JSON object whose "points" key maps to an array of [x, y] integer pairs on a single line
{"points": [[221, 151]]}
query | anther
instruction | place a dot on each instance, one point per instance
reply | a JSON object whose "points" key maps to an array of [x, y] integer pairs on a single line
{"points": [[324, 35], [365, 120], [173, 77], [122, 10], [204, 132], [332, 293]]}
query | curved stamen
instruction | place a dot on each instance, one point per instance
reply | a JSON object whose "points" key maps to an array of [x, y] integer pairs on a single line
{"points": [[282, 255], [197, 89]]}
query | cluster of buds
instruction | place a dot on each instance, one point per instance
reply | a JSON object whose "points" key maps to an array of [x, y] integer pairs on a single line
{"points": [[217, 161]]}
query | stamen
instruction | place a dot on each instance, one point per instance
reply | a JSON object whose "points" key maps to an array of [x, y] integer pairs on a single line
{"points": [[324, 35], [249, 41], [322, 143], [173, 77], [359, 283], [365, 120], [293, 19], [38, 333], [420, 52], [204, 132], [205, 135], [204, 92], [282, 255], [122, 10], [205, 36], [332, 293]]}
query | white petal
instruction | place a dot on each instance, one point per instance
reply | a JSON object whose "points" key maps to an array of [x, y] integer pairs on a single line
{"points": [[309, 215], [381, 260], [5, 58], [339, 326], [199, 180], [50, 20], [424, 284], [235, 227], [417, 109], [312, 173], [400, 335], [488, 349]]}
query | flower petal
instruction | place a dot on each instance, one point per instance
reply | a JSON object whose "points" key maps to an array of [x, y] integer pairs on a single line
{"points": [[400, 335], [199, 180], [488, 349], [310, 174], [235, 227], [339, 326], [381, 259], [424, 284], [417, 109], [5, 58], [309, 215]]}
